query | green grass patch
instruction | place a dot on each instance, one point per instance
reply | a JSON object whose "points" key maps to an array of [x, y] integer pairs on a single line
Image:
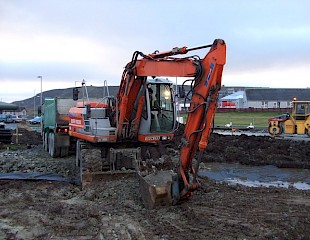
{"points": [[242, 119]]}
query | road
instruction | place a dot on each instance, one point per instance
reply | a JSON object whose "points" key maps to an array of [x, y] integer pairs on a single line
{"points": [[12, 126]]}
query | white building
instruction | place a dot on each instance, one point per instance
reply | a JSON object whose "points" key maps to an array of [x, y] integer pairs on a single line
{"points": [[274, 97]]}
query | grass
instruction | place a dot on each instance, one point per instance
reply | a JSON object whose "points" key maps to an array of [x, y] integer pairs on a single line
{"points": [[242, 119]]}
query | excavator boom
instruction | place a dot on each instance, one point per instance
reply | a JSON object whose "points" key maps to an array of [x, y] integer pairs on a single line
{"points": [[200, 117]]}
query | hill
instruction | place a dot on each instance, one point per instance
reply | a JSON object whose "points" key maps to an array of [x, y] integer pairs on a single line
{"points": [[93, 92]]}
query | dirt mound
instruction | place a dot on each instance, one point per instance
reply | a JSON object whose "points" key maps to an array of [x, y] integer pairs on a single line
{"points": [[252, 150], [248, 150], [27, 136]]}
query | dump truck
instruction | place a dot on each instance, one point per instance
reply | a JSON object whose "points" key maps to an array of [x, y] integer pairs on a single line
{"points": [[55, 126]]}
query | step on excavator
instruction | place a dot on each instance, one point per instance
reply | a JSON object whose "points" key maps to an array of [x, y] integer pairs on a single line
{"points": [[298, 122], [113, 135]]}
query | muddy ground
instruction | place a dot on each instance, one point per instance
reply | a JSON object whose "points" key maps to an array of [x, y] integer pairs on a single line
{"points": [[114, 209]]}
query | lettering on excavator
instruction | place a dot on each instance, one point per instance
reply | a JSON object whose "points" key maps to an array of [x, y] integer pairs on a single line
{"points": [[209, 75]]}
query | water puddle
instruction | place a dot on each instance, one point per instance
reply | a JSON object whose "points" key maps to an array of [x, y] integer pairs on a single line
{"points": [[238, 133], [297, 137], [257, 176]]}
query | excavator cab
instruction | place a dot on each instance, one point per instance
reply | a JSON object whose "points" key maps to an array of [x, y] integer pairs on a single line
{"points": [[159, 112]]}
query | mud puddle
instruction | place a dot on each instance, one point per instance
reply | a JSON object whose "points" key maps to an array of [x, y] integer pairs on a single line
{"points": [[257, 176], [296, 137], [238, 133]]}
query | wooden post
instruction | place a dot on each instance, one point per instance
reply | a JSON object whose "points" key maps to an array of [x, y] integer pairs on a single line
{"points": [[17, 134]]}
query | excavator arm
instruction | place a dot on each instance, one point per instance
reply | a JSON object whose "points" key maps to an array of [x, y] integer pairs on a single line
{"points": [[200, 118], [206, 77]]}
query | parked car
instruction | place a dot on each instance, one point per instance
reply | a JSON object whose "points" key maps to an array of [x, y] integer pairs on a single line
{"points": [[35, 120], [2, 117], [16, 119], [7, 118]]}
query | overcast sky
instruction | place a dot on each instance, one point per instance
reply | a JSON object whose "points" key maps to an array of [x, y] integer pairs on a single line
{"points": [[66, 41]]}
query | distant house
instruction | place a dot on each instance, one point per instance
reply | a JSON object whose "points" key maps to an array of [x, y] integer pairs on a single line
{"points": [[19, 112], [274, 97]]}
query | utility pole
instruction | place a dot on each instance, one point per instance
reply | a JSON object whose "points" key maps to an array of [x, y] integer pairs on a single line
{"points": [[34, 103], [41, 99], [41, 108]]}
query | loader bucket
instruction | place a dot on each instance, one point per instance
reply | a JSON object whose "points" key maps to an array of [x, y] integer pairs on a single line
{"points": [[155, 189]]}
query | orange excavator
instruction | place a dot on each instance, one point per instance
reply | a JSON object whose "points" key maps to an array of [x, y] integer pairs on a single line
{"points": [[113, 134]]}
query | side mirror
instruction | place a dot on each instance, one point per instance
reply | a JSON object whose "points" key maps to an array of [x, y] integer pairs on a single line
{"points": [[75, 93], [181, 92]]}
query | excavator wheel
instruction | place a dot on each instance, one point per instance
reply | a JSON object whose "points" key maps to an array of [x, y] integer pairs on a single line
{"points": [[275, 130]]}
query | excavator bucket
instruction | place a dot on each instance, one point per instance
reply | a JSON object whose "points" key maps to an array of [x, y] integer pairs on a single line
{"points": [[156, 189]]}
